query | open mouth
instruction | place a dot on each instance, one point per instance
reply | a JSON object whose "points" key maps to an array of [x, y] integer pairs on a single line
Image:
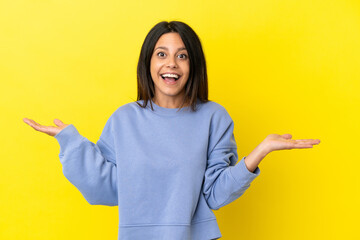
{"points": [[170, 77]]}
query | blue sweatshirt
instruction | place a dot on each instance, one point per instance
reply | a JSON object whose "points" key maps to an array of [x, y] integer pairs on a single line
{"points": [[164, 169]]}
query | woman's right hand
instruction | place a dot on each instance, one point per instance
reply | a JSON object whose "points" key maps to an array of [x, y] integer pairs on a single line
{"points": [[50, 130]]}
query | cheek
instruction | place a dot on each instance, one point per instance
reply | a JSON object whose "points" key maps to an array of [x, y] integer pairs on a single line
{"points": [[155, 66], [153, 70], [186, 69]]}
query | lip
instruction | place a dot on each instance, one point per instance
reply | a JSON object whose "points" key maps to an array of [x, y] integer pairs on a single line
{"points": [[171, 73], [170, 83]]}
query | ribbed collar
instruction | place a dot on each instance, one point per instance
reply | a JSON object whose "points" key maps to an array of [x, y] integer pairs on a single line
{"points": [[170, 111]]}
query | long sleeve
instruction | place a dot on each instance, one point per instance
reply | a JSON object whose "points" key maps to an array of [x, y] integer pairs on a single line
{"points": [[90, 167], [224, 181]]}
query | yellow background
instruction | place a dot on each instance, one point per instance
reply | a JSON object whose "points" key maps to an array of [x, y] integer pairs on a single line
{"points": [[276, 66]]}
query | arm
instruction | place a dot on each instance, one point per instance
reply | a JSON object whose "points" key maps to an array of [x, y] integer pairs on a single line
{"points": [[254, 158], [224, 181], [90, 167]]}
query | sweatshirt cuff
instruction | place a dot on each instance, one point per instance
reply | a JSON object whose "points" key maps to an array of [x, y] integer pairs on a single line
{"points": [[242, 174], [69, 137]]}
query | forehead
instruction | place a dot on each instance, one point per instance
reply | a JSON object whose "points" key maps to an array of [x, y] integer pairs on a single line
{"points": [[169, 40]]}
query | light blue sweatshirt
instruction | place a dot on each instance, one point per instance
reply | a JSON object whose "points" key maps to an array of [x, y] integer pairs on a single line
{"points": [[165, 169]]}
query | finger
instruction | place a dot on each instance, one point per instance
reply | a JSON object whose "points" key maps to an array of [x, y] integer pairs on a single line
{"points": [[26, 120], [58, 122], [287, 136], [304, 144], [308, 141], [304, 139], [293, 146], [31, 122], [37, 126]]}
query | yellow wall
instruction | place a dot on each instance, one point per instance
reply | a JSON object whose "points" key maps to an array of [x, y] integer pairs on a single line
{"points": [[277, 66]]}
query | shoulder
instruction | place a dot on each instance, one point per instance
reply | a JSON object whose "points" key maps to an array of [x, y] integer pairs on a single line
{"points": [[219, 116], [126, 109], [214, 108]]}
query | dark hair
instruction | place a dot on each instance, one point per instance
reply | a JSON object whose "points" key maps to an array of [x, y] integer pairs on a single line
{"points": [[197, 84]]}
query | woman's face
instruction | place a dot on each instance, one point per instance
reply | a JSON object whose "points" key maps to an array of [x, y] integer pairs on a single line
{"points": [[169, 68]]}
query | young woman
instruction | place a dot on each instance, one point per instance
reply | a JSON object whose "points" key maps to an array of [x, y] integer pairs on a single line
{"points": [[170, 157]]}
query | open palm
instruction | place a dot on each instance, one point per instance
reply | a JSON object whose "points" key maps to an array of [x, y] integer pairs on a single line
{"points": [[284, 142], [50, 130]]}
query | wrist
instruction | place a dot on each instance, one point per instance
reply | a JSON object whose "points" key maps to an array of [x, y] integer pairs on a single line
{"points": [[264, 148], [254, 158]]}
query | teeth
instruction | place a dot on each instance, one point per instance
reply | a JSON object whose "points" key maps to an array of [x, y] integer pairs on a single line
{"points": [[170, 75]]}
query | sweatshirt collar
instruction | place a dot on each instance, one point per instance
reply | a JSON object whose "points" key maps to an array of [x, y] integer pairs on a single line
{"points": [[170, 111]]}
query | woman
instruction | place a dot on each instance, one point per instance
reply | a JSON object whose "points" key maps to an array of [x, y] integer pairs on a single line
{"points": [[170, 157]]}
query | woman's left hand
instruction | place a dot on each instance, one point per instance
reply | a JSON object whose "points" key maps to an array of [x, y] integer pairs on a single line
{"points": [[275, 142]]}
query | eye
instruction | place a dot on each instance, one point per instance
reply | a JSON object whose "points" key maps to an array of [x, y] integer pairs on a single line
{"points": [[161, 54], [182, 56]]}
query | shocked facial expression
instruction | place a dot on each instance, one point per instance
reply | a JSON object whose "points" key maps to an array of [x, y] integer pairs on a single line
{"points": [[169, 67]]}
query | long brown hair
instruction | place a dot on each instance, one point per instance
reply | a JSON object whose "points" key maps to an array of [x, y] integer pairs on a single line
{"points": [[197, 84]]}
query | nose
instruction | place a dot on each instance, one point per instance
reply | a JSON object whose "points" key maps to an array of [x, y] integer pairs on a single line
{"points": [[171, 63]]}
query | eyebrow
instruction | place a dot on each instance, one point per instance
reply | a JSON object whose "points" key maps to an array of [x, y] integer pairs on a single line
{"points": [[165, 48]]}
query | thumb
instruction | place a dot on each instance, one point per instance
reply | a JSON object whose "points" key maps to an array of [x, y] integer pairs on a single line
{"points": [[59, 123], [287, 136]]}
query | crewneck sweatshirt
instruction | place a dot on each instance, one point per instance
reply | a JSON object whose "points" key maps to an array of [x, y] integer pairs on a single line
{"points": [[166, 169]]}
